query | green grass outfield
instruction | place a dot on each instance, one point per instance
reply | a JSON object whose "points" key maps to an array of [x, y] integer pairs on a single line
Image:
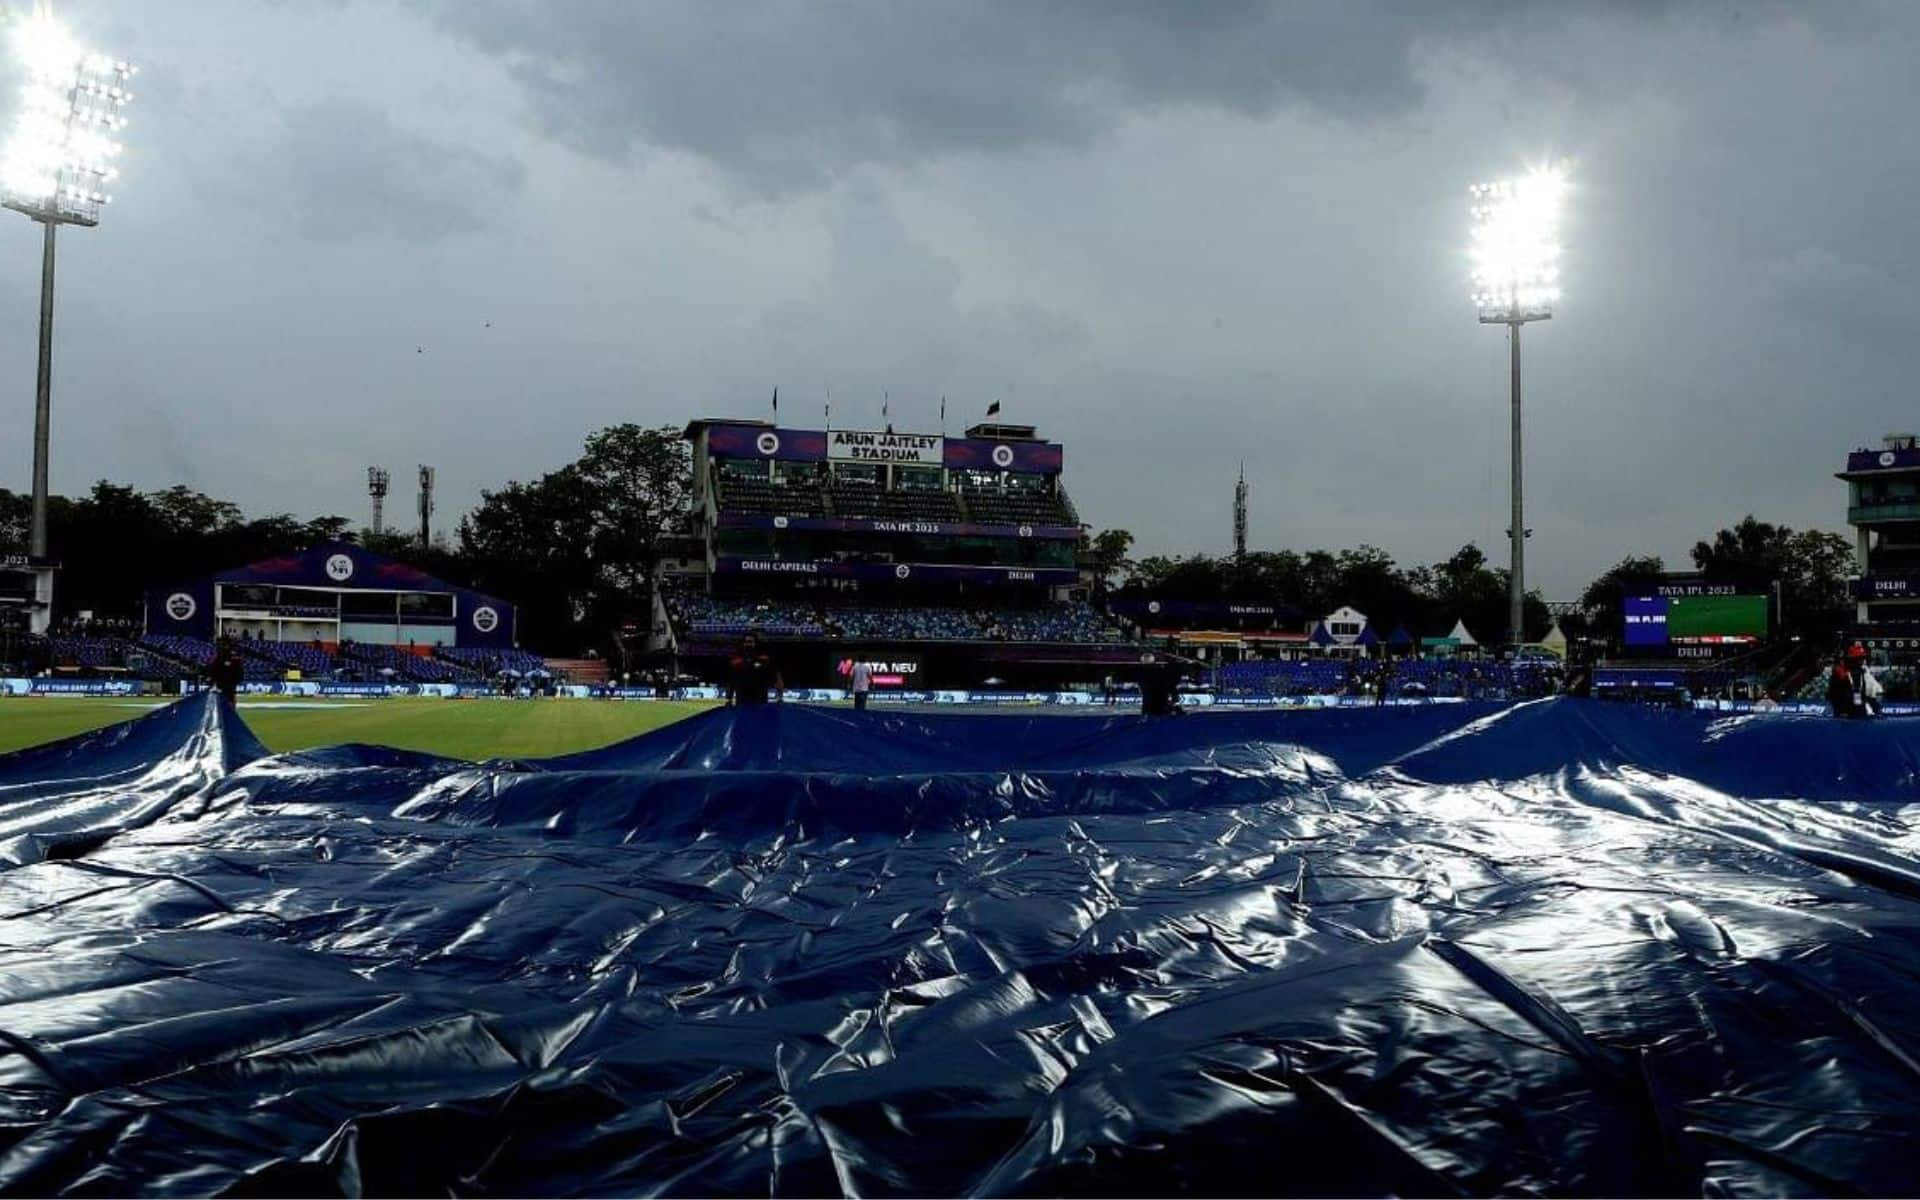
{"points": [[455, 728]]}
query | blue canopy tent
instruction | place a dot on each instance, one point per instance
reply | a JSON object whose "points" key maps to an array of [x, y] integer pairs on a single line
{"points": [[1320, 635]]}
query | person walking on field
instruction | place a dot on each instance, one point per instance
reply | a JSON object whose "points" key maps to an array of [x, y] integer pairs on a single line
{"points": [[1843, 690], [226, 670], [751, 675], [862, 684]]}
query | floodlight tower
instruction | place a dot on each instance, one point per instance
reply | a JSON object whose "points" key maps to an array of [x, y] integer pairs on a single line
{"points": [[1516, 279], [426, 506], [58, 158], [377, 480], [1240, 519]]}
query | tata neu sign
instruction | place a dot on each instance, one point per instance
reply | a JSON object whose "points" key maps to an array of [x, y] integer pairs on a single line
{"points": [[853, 445]]}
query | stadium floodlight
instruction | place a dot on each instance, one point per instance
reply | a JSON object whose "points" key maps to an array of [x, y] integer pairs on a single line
{"points": [[56, 163], [1516, 279]]}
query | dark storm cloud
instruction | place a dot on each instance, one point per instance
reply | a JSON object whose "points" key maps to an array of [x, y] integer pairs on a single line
{"points": [[1174, 235], [788, 94], [349, 172]]}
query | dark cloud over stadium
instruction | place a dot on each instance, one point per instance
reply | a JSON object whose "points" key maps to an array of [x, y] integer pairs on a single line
{"points": [[1174, 236]]}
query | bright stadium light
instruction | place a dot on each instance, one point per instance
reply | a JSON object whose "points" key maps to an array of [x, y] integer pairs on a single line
{"points": [[1516, 279], [1516, 246], [55, 167]]}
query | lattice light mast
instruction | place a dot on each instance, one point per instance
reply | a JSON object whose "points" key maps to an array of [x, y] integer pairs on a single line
{"points": [[56, 164], [1516, 279], [377, 481], [426, 506], [1240, 518]]}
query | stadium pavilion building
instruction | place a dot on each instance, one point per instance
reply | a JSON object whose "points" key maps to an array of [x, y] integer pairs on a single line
{"points": [[944, 562], [332, 593], [1883, 506]]}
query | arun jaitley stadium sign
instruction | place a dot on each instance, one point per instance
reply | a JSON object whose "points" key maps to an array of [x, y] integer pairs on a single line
{"points": [[853, 445]]}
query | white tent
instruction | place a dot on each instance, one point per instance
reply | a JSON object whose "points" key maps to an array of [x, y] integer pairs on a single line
{"points": [[1460, 636], [1555, 641]]}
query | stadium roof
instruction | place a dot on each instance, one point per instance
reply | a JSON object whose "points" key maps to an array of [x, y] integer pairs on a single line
{"points": [[338, 566]]}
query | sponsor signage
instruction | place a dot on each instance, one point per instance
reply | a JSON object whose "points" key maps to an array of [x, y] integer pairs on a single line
{"points": [[887, 672], [367, 689], [85, 687], [862, 446]]}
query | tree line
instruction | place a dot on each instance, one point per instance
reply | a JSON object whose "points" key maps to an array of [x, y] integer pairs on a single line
{"points": [[1811, 567], [578, 550]]}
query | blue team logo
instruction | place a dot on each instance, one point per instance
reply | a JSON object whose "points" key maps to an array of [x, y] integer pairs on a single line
{"points": [[486, 619], [1886, 458], [1003, 456], [767, 443], [181, 607], [902, 571], [339, 568]]}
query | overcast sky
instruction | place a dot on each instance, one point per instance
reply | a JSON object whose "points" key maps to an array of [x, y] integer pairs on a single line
{"points": [[1174, 236]]}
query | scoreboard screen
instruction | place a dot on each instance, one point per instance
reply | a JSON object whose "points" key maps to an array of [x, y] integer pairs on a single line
{"points": [[1695, 620]]}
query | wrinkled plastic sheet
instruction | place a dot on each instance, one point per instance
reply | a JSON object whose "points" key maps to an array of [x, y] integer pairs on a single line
{"points": [[1557, 947]]}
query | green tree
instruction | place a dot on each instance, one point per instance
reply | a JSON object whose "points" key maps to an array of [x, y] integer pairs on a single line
{"points": [[1105, 555], [534, 543], [185, 512], [1465, 587], [16, 521], [641, 481], [1810, 565], [1603, 603]]}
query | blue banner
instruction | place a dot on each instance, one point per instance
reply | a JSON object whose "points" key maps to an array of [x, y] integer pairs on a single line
{"points": [[735, 520], [84, 687], [899, 572]]}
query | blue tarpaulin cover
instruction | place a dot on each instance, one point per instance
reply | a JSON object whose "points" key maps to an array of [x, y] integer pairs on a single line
{"points": [[1554, 947]]}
